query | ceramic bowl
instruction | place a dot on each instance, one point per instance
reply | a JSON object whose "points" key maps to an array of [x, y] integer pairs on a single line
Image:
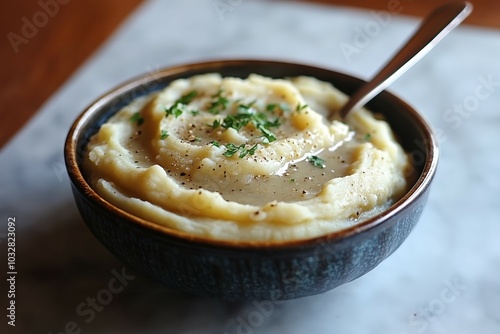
{"points": [[251, 270]]}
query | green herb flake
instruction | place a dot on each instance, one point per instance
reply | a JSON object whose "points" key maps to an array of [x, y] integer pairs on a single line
{"points": [[188, 97], [270, 137], [175, 110], [178, 107], [215, 124], [250, 151], [137, 118], [262, 123], [368, 137], [236, 121], [259, 120], [215, 143], [273, 107], [232, 149], [245, 108], [292, 180], [218, 104], [300, 107], [164, 134], [316, 161]]}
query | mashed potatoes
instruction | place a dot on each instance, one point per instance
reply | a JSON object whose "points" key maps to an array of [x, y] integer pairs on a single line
{"points": [[251, 159]]}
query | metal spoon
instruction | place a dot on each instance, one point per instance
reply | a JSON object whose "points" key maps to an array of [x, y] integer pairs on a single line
{"points": [[432, 30]]}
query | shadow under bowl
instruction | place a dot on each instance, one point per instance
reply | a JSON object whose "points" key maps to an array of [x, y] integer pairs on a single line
{"points": [[251, 270]]}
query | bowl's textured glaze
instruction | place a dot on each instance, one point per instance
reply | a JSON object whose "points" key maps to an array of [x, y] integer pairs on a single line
{"points": [[252, 270]]}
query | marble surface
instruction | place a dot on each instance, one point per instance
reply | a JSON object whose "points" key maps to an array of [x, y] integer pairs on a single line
{"points": [[445, 277]]}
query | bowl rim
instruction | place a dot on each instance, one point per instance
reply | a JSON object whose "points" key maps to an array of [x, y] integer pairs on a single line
{"points": [[80, 183]]}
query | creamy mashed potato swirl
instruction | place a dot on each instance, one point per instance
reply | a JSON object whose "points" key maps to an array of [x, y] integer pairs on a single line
{"points": [[251, 159]]}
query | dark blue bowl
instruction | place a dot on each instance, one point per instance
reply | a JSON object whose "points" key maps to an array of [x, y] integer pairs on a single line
{"points": [[252, 270]]}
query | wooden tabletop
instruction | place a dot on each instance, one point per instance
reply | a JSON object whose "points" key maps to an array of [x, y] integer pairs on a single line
{"points": [[46, 40]]}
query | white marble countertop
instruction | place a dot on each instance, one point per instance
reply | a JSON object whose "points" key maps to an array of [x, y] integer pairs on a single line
{"points": [[444, 279]]}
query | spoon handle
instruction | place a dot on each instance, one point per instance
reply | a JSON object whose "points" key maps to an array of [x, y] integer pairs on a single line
{"points": [[432, 30]]}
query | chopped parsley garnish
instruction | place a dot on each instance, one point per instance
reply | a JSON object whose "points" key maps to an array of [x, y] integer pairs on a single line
{"points": [[262, 123], [215, 124], [266, 133], [236, 121], [251, 151], [245, 114], [164, 134], [273, 107], [232, 149], [259, 120], [245, 108], [187, 98], [175, 110], [316, 161], [300, 107], [178, 107], [218, 104], [367, 137], [137, 118]]}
